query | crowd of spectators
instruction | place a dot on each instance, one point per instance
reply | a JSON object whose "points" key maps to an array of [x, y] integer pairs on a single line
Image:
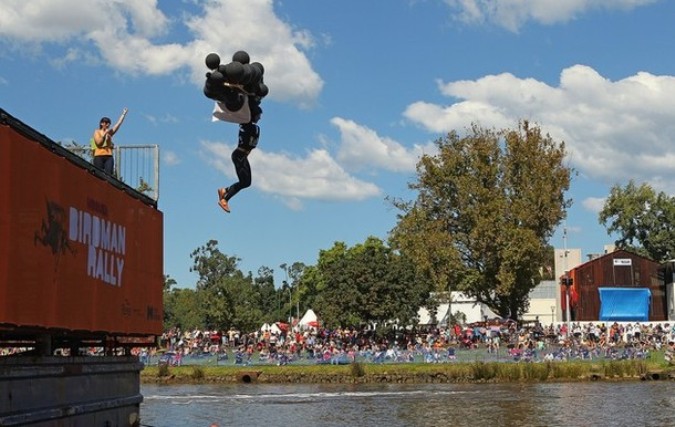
{"points": [[498, 340]]}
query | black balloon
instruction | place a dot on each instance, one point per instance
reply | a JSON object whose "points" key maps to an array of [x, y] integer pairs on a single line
{"points": [[263, 90], [240, 72], [212, 61], [246, 75], [259, 66], [256, 75], [241, 57], [234, 72], [217, 77]]}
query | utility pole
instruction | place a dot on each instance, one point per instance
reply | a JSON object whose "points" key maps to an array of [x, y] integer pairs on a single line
{"points": [[567, 281]]}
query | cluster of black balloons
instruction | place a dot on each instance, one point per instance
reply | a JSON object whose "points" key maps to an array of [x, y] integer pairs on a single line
{"points": [[231, 83]]}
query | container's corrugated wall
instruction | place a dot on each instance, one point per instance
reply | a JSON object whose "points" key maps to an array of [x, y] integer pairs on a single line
{"points": [[76, 252]]}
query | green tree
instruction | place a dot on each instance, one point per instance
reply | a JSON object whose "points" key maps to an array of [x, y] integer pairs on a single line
{"points": [[228, 298], [367, 284], [215, 269], [643, 219], [310, 283], [83, 151], [548, 268], [245, 302], [182, 307], [299, 294], [487, 205], [264, 285], [285, 301], [169, 282], [337, 300]]}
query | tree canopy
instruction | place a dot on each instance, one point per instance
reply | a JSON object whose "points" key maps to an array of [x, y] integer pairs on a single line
{"points": [[368, 283], [643, 219], [487, 204], [223, 297]]}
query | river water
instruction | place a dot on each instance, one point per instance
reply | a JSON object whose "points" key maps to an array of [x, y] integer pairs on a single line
{"points": [[647, 403]]}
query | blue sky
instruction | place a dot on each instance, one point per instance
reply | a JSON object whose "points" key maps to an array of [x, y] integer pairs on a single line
{"points": [[358, 90]]}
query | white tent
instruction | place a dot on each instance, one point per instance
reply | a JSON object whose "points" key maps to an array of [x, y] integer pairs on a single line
{"points": [[425, 315], [472, 310], [265, 327], [308, 319]]}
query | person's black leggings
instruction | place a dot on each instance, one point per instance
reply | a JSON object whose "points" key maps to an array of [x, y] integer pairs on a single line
{"points": [[243, 169]]}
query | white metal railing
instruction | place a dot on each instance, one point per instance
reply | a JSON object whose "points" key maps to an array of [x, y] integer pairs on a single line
{"points": [[135, 165], [138, 167]]}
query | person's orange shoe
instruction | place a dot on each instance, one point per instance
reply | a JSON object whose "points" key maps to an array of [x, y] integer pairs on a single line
{"points": [[223, 204]]}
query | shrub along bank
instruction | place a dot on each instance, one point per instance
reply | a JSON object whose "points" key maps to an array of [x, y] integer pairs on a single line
{"points": [[412, 373]]}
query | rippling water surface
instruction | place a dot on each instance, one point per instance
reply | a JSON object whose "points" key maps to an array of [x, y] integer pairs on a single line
{"points": [[566, 404]]}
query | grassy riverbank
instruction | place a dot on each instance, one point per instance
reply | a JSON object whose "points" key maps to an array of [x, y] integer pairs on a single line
{"points": [[462, 372]]}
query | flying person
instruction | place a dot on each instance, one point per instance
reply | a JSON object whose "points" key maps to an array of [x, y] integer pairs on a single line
{"points": [[237, 88], [249, 133]]}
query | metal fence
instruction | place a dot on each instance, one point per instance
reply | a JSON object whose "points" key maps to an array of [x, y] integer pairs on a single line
{"points": [[135, 165], [138, 167]]}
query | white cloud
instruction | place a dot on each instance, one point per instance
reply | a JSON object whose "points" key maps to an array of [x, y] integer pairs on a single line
{"points": [[593, 204], [170, 158], [231, 25], [513, 14], [166, 118], [127, 36], [106, 23], [613, 129], [361, 148], [317, 176]]}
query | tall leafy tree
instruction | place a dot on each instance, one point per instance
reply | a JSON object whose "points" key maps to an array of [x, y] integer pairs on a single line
{"points": [[169, 282], [338, 300], [487, 205], [183, 308], [310, 283], [228, 297], [298, 295], [643, 219], [387, 282], [369, 283], [214, 268], [287, 305], [264, 286], [245, 301]]}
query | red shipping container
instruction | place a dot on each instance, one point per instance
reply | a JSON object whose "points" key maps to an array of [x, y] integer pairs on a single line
{"points": [[78, 251]]}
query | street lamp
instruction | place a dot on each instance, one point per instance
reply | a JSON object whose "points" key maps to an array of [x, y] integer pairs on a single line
{"points": [[290, 303], [552, 315]]}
